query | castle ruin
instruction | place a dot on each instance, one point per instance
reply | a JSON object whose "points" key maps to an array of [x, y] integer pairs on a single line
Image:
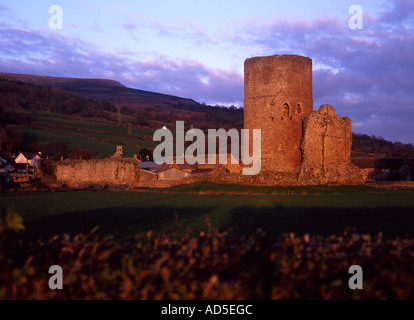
{"points": [[278, 100], [299, 146]]}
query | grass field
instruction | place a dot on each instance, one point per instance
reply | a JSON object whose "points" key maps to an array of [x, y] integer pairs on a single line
{"points": [[105, 136], [102, 149], [318, 210], [73, 123], [89, 123]]}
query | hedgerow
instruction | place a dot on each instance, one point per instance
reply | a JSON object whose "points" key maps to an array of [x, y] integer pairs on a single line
{"points": [[210, 265]]}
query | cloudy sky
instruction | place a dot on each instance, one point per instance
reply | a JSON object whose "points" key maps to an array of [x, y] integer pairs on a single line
{"points": [[196, 49]]}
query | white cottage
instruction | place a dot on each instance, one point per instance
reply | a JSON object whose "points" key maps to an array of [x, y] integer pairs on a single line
{"points": [[28, 158]]}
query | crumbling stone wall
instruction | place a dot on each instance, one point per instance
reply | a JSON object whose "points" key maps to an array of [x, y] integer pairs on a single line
{"points": [[278, 96], [327, 138], [100, 172], [326, 149], [145, 175], [220, 175]]}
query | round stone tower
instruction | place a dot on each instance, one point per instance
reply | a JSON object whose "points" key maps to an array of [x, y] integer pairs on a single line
{"points": [[277, 96]]}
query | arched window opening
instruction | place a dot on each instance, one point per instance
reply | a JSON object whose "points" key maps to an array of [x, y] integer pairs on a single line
{"points": [[300, 110], [286, 110]]}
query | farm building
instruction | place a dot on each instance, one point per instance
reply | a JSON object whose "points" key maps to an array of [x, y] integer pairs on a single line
{"points": [[17, 168], [148, 165], [385, 169], [166, 173], [231, 163], [6, 168], [145, 175]]}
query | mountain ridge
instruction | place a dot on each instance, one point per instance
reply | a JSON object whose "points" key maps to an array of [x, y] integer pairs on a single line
{"points": [[105, 89]]}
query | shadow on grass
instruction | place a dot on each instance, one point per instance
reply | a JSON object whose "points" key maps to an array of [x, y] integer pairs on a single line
{"points": [[323, 221], [125, 222], [120, 222], [207, 186]]}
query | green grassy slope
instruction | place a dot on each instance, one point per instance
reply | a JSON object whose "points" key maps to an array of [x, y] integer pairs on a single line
{"points": [[83, 132], [100, 149]]}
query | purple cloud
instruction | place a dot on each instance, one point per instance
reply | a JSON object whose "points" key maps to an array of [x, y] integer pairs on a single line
{"points": [[129, 26], [114, 9], [4, 8], [68, 57], [365, 74]]}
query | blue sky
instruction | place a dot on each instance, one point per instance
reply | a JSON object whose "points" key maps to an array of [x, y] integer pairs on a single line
{"points": [[196, 49]]}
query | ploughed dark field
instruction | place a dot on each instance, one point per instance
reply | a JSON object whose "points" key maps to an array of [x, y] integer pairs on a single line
{"points": [[209, 241]]}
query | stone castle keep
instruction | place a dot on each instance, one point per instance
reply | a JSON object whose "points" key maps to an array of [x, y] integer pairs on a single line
{"points": [[278, 100]]}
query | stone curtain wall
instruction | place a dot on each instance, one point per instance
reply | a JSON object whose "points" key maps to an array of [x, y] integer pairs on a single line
{"points": [[327, 138], [326, 149], [100, 172], [278, 96]]}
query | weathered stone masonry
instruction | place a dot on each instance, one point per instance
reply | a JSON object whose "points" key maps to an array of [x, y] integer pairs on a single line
{"points": [[278, 100], [97, 172], [278, 96]]}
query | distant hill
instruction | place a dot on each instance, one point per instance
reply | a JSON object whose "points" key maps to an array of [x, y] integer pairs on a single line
{"points": [[109, 90], [99, 98], [21, 96], [364, 146]]}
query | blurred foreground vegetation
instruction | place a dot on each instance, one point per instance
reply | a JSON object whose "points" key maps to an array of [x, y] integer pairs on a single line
{"points": [[210, 265]]}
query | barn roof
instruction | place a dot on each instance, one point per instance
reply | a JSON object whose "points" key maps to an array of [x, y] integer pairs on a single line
{"points": [[148, 165]]}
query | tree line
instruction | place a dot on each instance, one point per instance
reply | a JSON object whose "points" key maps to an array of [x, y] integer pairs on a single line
{"points": [[19, 96], [362, 143]]}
